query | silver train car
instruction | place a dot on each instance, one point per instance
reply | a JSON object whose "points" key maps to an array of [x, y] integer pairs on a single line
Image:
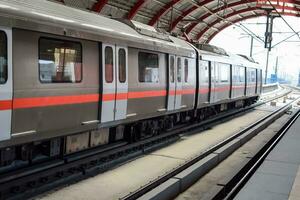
{"points": [[72, 80]]}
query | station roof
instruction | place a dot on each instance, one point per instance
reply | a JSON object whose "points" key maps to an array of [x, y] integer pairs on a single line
{"points": [[199, 20]]}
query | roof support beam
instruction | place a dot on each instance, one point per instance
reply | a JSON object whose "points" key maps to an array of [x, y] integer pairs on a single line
{"points": [[187, 12], [202, 32], [135, 9], [99, 5], [231, 5], [162, 12], [222, 8], [205, 2], [210, 37], [227, 25]]}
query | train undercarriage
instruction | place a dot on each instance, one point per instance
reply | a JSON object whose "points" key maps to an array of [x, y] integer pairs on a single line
{"points": [[57, 148]]}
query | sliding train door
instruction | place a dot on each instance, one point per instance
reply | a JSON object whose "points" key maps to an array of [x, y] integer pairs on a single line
{"points": [[171, 83], [213, 82], [179, 76], [114, 83], [5, 83], [175, 82], [121, 82]]}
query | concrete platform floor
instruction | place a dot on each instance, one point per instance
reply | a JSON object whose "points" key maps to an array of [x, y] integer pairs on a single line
{"points": [[212, 182], [119, 182], [279, 176]]}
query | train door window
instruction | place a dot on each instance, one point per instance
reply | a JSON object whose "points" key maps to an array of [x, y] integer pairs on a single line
{"points": [[242, 75], [224, 72], [60, 61], [186, 70], [235, 74], [212, 71], [148, 67], [248, 75], [3, 57], [122, 65], [204, 70], [109, 64], [179, 72], [172, 69], [253, 75]]}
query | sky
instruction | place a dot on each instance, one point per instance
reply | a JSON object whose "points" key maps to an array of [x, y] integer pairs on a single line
{"points": [[288, 52]]}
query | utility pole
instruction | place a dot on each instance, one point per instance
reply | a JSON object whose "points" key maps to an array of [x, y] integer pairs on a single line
{"points": [[276, 67], [267, 64], [268, 39]]}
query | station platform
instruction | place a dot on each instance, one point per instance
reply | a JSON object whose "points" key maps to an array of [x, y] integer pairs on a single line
{"points": [[120, 181], [279, 175]]}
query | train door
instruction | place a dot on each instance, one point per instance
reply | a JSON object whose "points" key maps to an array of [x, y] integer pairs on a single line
{"points": [[179, 76], [121, 83], [171, 83], [115, 83], [213, 84], [5, 83], [203, 75]]}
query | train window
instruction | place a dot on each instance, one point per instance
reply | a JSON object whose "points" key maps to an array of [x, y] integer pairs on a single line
{"points": [[148, 67], [242, 75], [253, 75], [204, 70], [179, 72], [213, 66], [248, 75], [109, 64], [186, 70], [60, 61], [3, 57], [172, 69], [235, 74], [122, 65], [224, 73]]}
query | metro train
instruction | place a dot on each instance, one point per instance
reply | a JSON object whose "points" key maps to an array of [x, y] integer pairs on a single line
{"points": [[71, 80]]}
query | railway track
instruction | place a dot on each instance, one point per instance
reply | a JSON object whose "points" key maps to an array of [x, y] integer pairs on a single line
{"points": [[245, 174], [33, 180], [156, 185]]}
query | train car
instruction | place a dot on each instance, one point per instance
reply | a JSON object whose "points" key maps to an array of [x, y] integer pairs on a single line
{"points": [[72, 80], [225, 78]]}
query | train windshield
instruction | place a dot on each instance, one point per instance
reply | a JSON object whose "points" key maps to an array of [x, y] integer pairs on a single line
{"points": [[3, 57]]}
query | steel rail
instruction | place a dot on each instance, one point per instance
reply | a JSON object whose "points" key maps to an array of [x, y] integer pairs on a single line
{"points": [[238, 186], [143, 190]]}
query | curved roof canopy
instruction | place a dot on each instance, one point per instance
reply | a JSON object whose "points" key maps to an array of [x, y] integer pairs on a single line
{"points": [[197, 19]]}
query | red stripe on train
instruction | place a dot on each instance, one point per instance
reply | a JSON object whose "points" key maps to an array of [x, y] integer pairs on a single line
{"points": [[5, 104], [20, 103], [204, 91], [144, 94], [53, 101]]}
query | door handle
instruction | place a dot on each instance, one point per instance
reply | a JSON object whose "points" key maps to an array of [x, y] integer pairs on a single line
{"points": [[31, 132], [131, 115], [90, 122]]}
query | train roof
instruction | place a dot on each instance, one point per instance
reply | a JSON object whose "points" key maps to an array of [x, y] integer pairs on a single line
{"points": [[220, 55], [50, 17]]}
